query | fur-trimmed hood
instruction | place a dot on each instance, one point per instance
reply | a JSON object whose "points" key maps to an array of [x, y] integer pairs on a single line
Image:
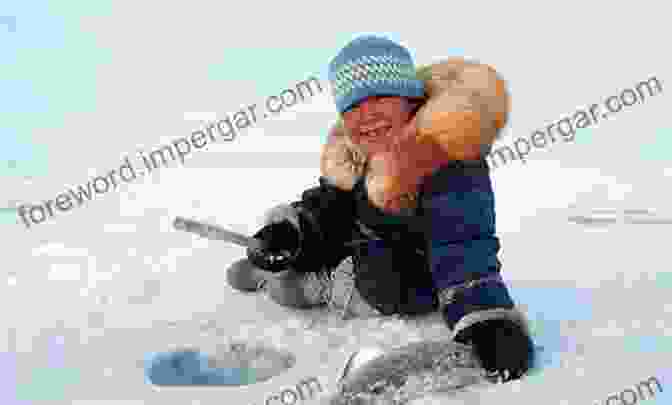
{"points": [[466, 103]]}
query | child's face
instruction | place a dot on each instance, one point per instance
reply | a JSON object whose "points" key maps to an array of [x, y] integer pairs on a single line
{"points": [[375, 121]]}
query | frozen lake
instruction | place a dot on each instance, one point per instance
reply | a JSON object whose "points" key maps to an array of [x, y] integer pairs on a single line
{"points": [[87, 300]]}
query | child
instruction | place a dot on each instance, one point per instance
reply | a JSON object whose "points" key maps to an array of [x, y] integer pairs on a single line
{"points": [[405, 205]]}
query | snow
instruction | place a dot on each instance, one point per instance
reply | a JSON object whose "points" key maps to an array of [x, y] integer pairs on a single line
{"points": [[115, 291]]}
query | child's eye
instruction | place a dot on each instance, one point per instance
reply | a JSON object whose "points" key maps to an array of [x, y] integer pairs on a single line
{"points": [[387, 99]]}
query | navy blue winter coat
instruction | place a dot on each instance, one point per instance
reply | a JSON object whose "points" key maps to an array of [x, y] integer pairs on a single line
{"points": [[404, 263]]}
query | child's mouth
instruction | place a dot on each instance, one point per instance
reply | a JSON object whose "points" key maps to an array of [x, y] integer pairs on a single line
{"points": [[376, 130]]}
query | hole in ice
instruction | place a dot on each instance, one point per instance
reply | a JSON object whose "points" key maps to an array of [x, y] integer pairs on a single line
{"points": [[235, 364]]}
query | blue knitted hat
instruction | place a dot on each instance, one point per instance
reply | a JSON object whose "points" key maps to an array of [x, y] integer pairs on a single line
{"points": [[372, 66]]}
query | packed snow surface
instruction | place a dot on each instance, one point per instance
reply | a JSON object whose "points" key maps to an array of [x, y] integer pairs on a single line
{"points": [[89, 296]]}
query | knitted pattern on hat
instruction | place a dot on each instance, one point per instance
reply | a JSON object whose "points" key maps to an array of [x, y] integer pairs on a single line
{"points": [[372, 66]]}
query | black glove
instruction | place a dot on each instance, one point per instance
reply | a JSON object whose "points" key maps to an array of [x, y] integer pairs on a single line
{"points": [[280, 245], [502, 347]]}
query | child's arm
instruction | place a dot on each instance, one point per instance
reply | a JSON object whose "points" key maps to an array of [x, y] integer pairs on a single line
{"points": [[321, 223]]}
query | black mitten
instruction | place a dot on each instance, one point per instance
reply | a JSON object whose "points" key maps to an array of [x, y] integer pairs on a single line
{"points": [[503, 347], [280, 245]]}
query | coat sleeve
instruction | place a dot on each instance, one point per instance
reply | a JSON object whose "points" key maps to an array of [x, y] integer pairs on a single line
{"points": [[458, 209], [324, 216], [467, 106]]}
